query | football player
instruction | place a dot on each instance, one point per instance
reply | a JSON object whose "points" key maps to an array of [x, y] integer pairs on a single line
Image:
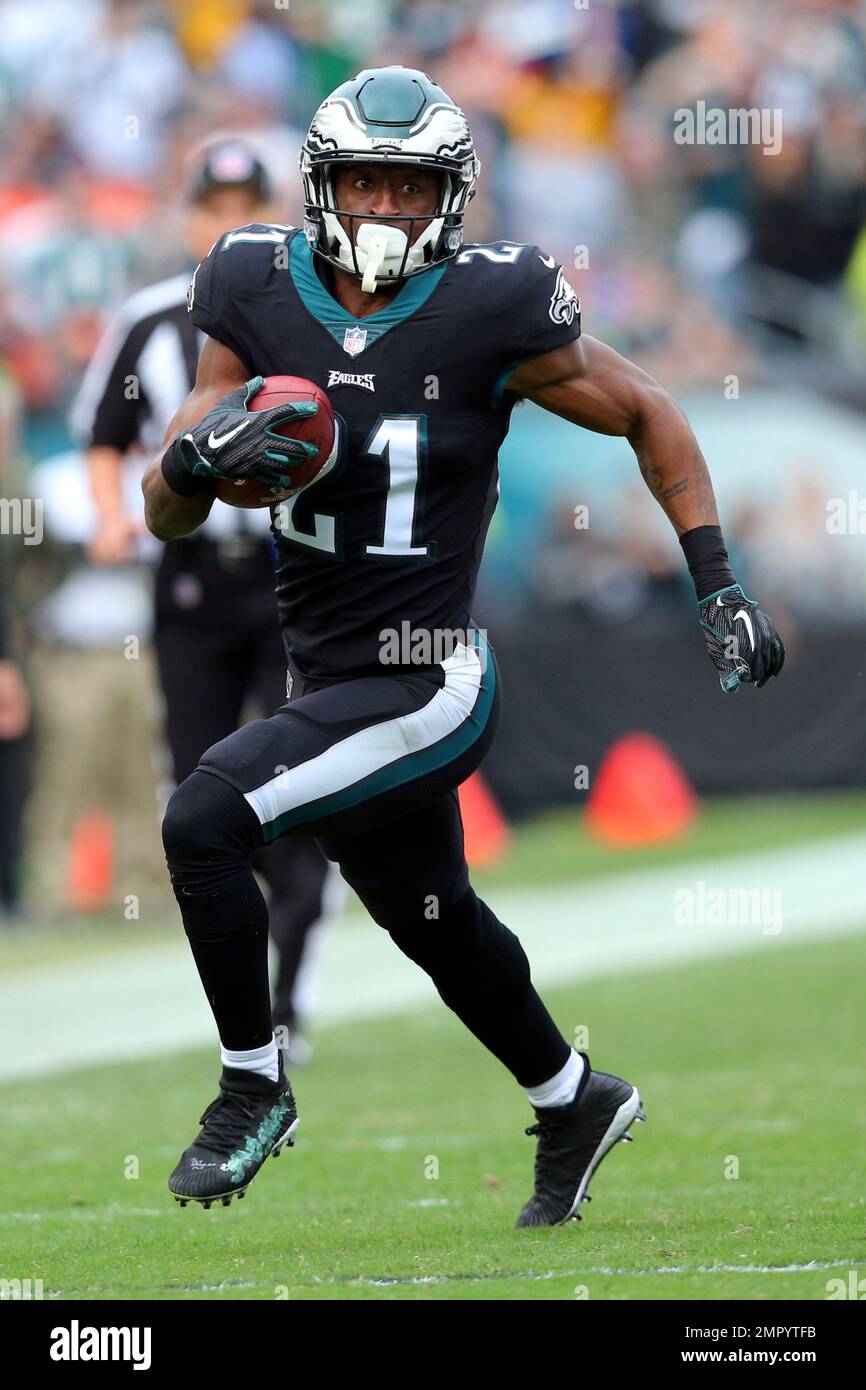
{"points": [[424, 345]]}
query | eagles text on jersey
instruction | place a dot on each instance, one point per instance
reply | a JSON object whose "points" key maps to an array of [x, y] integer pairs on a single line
{"points": [[394, 530]]}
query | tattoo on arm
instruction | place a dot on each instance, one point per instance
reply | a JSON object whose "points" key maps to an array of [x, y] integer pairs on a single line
{"points": [[652, 477], [695, 489]]}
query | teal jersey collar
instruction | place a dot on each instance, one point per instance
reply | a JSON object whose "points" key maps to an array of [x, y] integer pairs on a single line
{"points": [[332, 316]]}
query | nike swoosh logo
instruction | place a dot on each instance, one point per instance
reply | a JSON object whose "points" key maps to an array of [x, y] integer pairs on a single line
{"points": [[217, 441], [747, 620], [549, 261]]}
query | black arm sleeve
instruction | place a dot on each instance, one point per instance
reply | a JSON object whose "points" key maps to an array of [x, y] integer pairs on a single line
{"points": [[231, 293], [217, 297], [545, 314], [534, 311]]}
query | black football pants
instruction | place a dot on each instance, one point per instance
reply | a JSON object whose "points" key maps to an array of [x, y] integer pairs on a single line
{"points": [[214, 656], [369, 766]]}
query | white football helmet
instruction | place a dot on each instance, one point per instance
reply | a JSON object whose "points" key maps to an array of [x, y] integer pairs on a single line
{"points": [[387, 115]]}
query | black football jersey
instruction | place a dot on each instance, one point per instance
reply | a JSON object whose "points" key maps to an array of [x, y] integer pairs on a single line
{"points": [[389, 538]]}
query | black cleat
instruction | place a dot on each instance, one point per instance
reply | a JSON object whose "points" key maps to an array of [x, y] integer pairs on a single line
{"points": [[250, 1119], [572, 1141]]}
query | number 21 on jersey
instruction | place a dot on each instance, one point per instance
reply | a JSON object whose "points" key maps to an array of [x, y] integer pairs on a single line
{"points": [[400, 443]]}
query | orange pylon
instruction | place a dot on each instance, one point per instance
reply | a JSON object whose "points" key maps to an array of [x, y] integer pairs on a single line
{"points": [[640, 794], [487, 834]]}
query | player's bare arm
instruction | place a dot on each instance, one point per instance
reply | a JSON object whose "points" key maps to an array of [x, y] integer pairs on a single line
{"points": [[589, 384], [168, 514]]}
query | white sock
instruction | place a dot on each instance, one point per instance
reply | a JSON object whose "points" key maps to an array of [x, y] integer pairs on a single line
{"points": [[264, 1060], [560, 1089]]}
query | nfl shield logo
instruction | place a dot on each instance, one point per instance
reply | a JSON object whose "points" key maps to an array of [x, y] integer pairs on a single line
{"points": [[354, 340]]}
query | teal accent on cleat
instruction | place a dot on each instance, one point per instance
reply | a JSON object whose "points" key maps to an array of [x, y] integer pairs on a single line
{"points": [[250, 1119]]}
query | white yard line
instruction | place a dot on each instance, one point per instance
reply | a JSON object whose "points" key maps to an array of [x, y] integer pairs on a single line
{"points": [[148, 1002], [814, 1266], [604, 1271]]}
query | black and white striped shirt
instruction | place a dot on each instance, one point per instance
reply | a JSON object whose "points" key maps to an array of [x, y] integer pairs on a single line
{"points": [[141, 373]]}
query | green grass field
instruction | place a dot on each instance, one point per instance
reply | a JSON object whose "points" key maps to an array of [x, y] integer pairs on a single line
{"points": [[757, 1060], [552, 848]]}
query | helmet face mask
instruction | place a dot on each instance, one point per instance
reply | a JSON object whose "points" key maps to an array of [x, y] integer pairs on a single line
{"points": [[388, 116]]}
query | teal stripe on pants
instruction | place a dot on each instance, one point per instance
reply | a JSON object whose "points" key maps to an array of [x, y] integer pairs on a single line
{"points": [[398, 773]]}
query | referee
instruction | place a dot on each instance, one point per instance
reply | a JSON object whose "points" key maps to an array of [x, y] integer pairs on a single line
{"points": [[216, 633]]}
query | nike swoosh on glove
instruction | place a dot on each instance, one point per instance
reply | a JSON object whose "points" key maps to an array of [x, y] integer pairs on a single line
{"points": [[741, 639], [233, 441]]}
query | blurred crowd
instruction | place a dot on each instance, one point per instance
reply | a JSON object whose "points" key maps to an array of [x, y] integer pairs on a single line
{"points": [[696, 260], [679, 250]]}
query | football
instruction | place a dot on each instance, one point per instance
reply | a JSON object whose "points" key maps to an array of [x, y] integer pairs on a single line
{"points": [[318, 429]]}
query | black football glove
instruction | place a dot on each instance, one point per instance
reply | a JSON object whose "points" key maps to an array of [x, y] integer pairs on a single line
{"points": [[234, 442], [741, 639]]}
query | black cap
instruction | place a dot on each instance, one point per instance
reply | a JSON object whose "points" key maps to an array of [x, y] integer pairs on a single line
{"points": [[230, 165]]}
